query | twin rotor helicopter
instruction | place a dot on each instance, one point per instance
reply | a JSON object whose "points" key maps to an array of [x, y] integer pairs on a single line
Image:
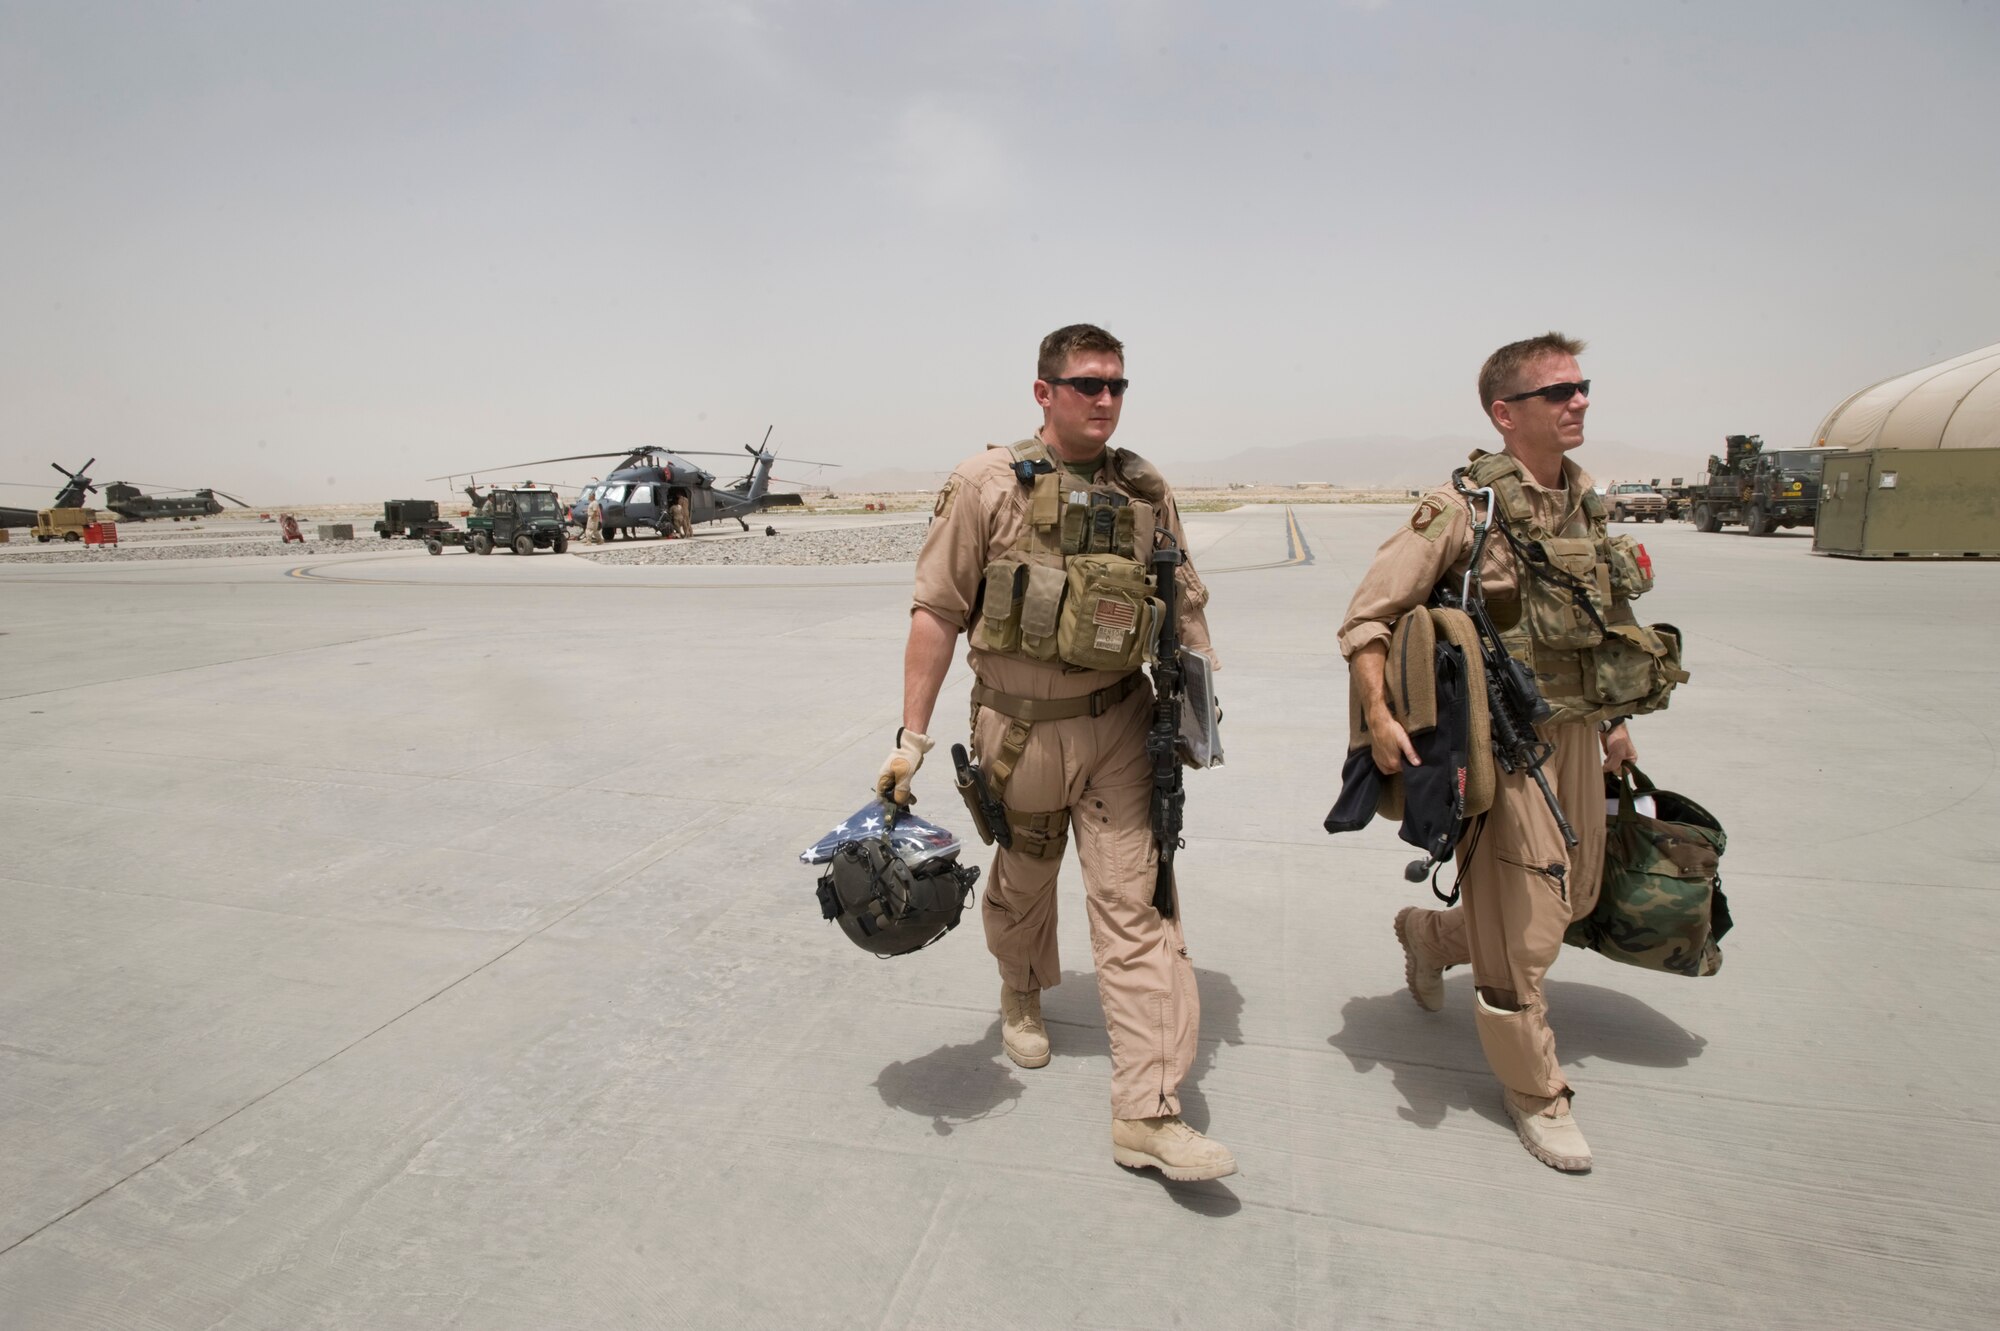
{"points": [[125, 499], [660, 489]]}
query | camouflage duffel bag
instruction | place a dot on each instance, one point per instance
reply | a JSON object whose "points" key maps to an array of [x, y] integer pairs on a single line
{"points": [[1660, 905]]}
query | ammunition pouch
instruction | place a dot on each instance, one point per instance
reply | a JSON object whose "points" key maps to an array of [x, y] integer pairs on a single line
{"points": [[1091, 611], [998, 628]]}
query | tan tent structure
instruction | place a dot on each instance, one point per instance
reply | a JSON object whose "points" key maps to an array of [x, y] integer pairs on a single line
{"points": [[1953, 404]]}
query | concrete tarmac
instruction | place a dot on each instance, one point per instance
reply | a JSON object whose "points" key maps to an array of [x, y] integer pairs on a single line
{"points": [[407, 942]]}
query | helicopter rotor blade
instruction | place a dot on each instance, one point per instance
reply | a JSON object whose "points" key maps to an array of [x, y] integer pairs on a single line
{"points": [[703, 453], [230, 497], [539, 462]]}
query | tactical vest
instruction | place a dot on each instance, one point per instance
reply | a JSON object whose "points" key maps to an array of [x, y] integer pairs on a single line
{"points": [[1590, 666], [1074, 590]]}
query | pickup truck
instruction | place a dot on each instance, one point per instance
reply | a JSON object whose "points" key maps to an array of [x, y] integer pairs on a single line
{"points": [[1633, 502]]}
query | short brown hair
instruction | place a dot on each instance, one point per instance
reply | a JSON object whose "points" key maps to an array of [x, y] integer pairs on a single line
{"points": [[1501, 374], [1065, 342]]}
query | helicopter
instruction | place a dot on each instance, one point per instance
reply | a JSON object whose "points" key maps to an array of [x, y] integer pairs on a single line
{"points": [[656, 488], [74, 488], [127, 502]]}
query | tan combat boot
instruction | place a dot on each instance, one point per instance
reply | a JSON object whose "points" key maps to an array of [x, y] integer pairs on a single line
{"points": [[1426, 979], [1549, 1131], [1022, 1034], [1170, 1146]]}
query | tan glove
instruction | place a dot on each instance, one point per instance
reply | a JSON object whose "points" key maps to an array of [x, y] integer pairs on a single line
{"points": [[894, 783]]}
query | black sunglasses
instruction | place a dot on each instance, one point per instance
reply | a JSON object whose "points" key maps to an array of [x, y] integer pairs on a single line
{"points": [[1090, 385], [1557, 393]]}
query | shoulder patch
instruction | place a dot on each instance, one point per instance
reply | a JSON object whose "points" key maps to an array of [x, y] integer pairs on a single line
{"points": [[1431, 517], [945, 496]]}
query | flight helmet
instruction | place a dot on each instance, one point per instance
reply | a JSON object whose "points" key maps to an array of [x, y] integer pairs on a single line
{"points": [[892, 880]]}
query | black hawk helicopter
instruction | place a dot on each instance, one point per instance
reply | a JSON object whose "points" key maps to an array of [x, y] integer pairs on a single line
{"points": [[658, 488], [74, 488]]}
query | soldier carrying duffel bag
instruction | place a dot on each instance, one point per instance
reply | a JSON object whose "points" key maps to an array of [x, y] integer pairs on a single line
{"points": [[1660, 904]]}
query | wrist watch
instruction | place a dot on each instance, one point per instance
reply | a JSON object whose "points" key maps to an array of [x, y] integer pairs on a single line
{"points": [[1611, 725]]}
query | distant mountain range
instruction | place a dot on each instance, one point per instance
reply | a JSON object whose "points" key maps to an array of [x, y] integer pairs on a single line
{"points": [[1364, 462]]}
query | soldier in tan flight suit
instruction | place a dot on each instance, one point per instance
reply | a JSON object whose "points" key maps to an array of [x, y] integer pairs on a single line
{"points": [[1522, 886], [1069, 743]]}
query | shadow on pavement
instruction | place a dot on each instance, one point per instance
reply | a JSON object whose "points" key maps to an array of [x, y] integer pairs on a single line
{"points": [[954, 1084], [1212, 1199], [1435, 1061]]}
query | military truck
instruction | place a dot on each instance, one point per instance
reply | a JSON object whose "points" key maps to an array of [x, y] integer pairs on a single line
{"points": [[521, 518], [1758, 489], [62, 524], [1675, 492]]}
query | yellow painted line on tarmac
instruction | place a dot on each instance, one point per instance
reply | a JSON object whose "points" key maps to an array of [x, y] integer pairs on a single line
{"points": [[1297, 552]]}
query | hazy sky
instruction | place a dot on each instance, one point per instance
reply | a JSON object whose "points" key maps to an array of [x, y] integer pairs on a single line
{"points": [[321, 251]]}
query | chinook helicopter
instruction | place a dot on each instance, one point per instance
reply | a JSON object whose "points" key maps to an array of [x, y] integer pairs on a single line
{"points": [[660, 489], [128, 502]]}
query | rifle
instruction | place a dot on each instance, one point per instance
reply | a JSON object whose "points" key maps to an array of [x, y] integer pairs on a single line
{"points": [[1163, 738], [1514, 702]]}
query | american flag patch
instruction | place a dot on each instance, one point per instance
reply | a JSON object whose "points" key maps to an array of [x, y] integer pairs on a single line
{"points": [[1114, 614]]}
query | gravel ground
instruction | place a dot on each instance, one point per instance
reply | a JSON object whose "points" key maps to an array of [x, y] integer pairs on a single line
{"points": [[150, 551], [894, 544]]}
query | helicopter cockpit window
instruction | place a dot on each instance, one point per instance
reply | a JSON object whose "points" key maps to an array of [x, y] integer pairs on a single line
{"points": [[612, 494], [641, 494]]}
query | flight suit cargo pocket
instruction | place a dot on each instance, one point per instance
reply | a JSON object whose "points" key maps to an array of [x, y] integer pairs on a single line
{"points": [[1107, 615], [1041, 612], [1631, 568], [1634, 669], [999, 627], [1551, 595]]}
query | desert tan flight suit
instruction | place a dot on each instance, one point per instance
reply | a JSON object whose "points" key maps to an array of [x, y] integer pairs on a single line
{"points": [[1093, 767], [1522, 885]]}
